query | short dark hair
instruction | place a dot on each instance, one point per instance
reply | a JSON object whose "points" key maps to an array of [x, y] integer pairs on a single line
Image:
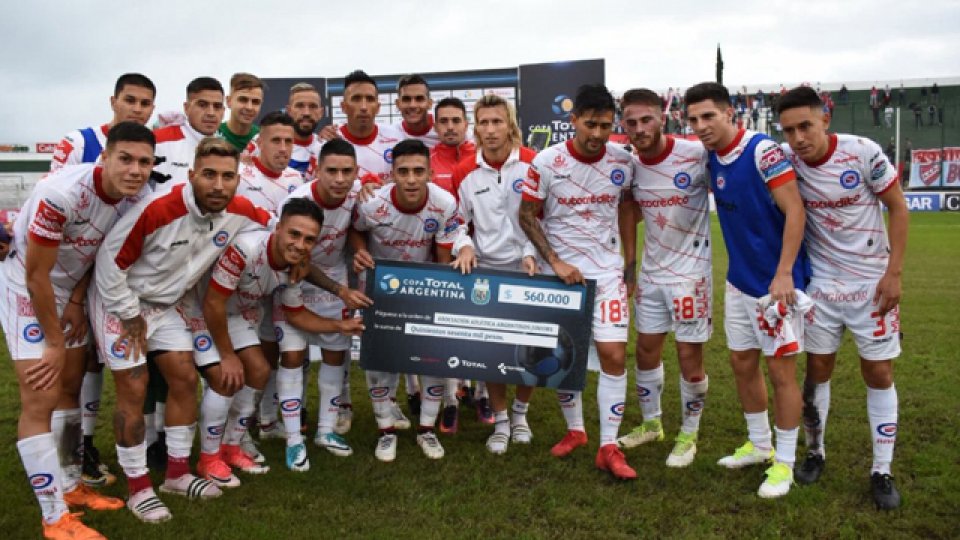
{"points": [[130, 132], [277, 118], [301, 206], [356, 77], [133, 79], [336, 147], [801, 96], [246, 81], [407, 80], [704, 91], [411, 147], [640, 96], [204, 83], [593, 97], [450, 102]]}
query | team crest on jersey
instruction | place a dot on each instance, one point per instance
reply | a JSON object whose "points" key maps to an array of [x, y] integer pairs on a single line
{"points": [[618, 177], [202, 343], [849, 179], [682, 180], [291, 189], [721, 182], [481, 292], [888, 430], [220, 239], [388, 155], [518, 185], [390, 284], [33, 333], [559, 160], [431, 225], [119, 348]]}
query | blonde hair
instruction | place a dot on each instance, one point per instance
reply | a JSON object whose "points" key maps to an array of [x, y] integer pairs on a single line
{"points": [[490, 101]]}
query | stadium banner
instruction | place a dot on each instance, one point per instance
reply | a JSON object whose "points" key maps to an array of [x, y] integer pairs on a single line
{"points": [[489, 325], [546, 98], [951, 202], [923, 202], [933, 168]]}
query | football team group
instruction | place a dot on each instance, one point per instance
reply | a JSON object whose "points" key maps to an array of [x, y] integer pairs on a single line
{"points": [[227, 254]]}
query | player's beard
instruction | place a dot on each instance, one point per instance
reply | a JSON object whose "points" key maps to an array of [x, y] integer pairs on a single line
{"points": [[304, 133]]}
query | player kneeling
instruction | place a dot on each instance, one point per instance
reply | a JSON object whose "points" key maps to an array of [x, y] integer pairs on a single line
{"points": [[257, 265]]}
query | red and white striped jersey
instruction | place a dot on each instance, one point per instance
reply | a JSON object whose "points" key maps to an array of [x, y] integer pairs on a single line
{"points": [[845, 235], [247, 273], [266, 188], [177, 145], [490, 200], [72, 148], [402, 235], [68, 210], [672, 192], [580, 197], [374, 152], [160, 249], [328, 253]]}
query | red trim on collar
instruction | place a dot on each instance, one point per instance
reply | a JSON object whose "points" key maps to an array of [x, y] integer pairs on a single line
{"points": [[266, 172], [396, 203], [319, 199], [353, 139], [270, 261], [406, 127], [581, 158], [831, 147], [303, 142], [662, 155], [733, 144], [98, 187]]}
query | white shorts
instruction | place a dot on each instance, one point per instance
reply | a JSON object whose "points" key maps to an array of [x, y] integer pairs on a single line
{"points": [[611, 313], [25, 339], [683, 308], [167, 330], [741, 318], [324, 304], [850, 305]]}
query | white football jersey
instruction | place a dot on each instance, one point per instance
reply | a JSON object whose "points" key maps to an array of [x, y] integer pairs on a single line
{"points": [[672, 192], [846, 237], [580, 198], [266, 188], [428, 137], [401, 235], [247, 273], [375, 152], [328, 253]]}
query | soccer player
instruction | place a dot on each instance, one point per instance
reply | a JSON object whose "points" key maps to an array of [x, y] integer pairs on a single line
{"points": [[335, 191], [177, 144], [268, 179], [373, 142], [855, 273], [132, 101], [414, 103], [244, 101], [761, 216], [148, 262], [306, 108], [673, 288], [451, 128], [254, 267], [56, 237], [578, 186], [488, 187], [419, 215]]}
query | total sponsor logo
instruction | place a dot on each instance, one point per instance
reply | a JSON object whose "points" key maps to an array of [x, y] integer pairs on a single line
{"points": [[887, 430], [426, 287], [673, 200], [855, 297], [455, 362], [220, 239], [839, 203], [849, 179], [290, 405], [606, 198], [33, 333], [202, 343]]}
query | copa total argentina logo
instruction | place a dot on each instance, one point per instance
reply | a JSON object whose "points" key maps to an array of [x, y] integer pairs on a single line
{"points": [[849, 179], [220, 239], [388, 155], [33, 333], [518, 185], [431, 225], [424, 287], [480, 295], [617, 176], [682, 180], [562, 105]]}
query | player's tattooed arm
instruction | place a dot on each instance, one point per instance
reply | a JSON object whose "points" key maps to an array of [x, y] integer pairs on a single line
{"points": [[353, 299], [530, 223]]}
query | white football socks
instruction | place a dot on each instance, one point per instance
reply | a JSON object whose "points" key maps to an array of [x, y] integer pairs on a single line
{"points": [[882, 411], [39, 456], [611, 393], [649, 385]]}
